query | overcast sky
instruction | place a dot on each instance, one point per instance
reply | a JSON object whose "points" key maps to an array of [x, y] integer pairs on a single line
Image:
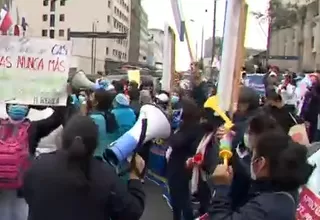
{"points": [[160, 12]]}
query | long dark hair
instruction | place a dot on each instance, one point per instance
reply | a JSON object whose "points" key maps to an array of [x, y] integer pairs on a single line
{"points": [[79, 140], [288, 165], [105, 100], [190, 111]]}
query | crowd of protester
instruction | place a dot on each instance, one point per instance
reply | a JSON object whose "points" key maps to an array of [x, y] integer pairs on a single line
{"points": [[261, 180]]}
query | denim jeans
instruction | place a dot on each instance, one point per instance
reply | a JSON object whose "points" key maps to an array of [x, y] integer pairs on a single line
{"points": [[12, 207]]}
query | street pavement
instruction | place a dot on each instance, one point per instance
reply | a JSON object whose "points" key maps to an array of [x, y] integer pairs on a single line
{"points": [[156, 206]]}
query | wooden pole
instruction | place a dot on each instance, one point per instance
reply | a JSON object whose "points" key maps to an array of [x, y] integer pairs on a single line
{"points": [[239, 57]]}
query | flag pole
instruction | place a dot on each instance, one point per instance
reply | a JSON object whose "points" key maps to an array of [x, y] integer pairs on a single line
{"points": [[229, 54], [239, 56]]}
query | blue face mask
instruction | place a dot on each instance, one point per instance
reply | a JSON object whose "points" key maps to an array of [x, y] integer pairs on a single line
{"points": [[174, 99], [18, 112], [81, 99]]}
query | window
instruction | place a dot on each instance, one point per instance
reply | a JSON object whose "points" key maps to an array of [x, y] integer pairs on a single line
{"points": [[312, 42], [61, 33], [44, 17], [62, 2], [107, 50], [44, 33], [51, 34], [61, 17], [108, 18], [115, 9], [45, 2], [52, 6], [52, 20], [109, 3]]}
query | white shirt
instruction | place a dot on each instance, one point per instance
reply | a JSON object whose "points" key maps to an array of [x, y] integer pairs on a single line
{"points": [[288, 95], [52, 141]]}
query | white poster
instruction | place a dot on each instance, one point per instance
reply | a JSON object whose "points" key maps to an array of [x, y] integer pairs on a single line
{"points": [[34, 71], [309, 204]]}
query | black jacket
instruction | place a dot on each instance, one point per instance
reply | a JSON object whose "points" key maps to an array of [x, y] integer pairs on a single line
{"points": [[263, 203], [51, 194], [283, 117], [184, 144]]}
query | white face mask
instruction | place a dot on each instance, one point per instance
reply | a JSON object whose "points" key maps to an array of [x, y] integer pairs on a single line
{"points": [[246, 140], [252, 173]]}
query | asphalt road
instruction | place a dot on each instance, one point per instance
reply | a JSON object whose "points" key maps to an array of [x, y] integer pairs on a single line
{"points": [[156, 206]]}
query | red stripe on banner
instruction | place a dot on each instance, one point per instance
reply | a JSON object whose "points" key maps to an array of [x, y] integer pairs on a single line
{"points": [[16, 31], [6, 23]]}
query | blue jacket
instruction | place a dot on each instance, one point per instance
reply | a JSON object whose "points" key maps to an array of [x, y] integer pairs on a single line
{"points": [[104, 139], [125, 118], [264, 202]]}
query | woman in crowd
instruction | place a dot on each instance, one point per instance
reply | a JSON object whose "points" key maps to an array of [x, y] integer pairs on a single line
{"points": [[12, 204], [248, 106], [258, 124], [278, 167], [72, 184], [98, 109], [287, 90], [210, 151], [275, 106], [184, 145], [124, 115], [311, 109]]}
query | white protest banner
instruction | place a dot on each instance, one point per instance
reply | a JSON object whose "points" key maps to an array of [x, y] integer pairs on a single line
{"points": [[34, 71], [309, 203]]}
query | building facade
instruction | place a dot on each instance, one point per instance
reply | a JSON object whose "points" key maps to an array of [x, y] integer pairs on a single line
{"points": [[135, 23], [144, 36], [52, 19], [155, 47], [301, 40]]}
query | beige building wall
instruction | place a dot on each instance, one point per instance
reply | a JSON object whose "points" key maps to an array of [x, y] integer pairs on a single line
{"points": [[81, 15], [299, 40]]}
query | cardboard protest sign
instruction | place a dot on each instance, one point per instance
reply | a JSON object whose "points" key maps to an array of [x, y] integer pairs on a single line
{"points": [[309, 203], [34, 71], [134, 75]]}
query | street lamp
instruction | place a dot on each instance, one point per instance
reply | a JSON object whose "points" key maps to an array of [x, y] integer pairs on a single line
{"points": [[202, 39]]}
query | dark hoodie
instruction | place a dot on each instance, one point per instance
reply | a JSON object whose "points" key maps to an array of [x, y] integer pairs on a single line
{"points": [[283, 117]]}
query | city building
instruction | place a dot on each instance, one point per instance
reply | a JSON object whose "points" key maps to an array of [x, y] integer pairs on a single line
{"points": [[297, 47], [144, 36], [52, 19], [155, 47], [135, 23]]}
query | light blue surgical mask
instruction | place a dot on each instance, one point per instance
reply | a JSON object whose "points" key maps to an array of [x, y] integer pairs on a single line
{"points": [[18, 112], [174, 99], [81, 99], [246, 141]]}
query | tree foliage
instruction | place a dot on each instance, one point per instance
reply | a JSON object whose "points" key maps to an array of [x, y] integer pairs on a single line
{"points": [[282, 15]]}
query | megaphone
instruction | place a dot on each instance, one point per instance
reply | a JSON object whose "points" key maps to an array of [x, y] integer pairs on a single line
{"points": [[80, 81], [212, 102], [152, 123], [226, 140]]}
